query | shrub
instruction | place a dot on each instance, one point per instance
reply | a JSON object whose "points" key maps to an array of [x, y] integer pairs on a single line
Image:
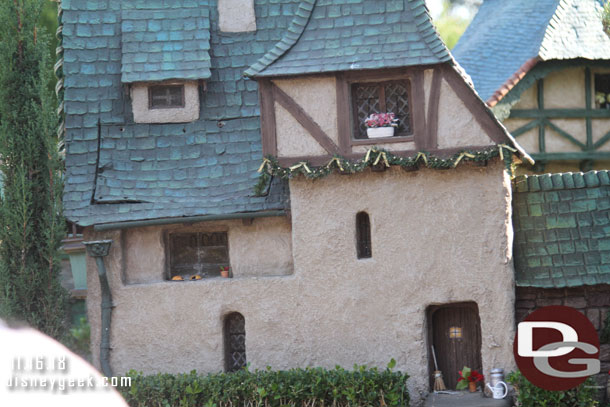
{"points": [[297, 387], [529, 395]]}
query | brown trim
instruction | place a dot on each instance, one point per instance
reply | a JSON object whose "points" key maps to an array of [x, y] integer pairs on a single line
{"points": [[419, 110], [304, 119], [476, 106], [435, 93], [268, 124], [388, 140], [377, 75], [323, 160], [343, 113]]}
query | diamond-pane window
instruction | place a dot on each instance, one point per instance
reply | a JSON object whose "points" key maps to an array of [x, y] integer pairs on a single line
{"points": [[166, 97], [198, 253], [382, 97], [235, 342]]}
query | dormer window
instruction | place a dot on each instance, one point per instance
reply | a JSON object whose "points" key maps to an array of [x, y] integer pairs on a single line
{"points": [[165, 102], [166, 97], [381, 97]]}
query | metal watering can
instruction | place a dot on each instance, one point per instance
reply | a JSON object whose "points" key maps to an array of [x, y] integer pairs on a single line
{"points": [[499, 391]]}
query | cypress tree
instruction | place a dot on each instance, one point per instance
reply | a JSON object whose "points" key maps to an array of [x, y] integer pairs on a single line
{"points": [[31, 224]]}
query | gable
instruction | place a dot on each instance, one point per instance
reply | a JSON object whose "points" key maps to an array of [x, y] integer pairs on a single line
{"points": [[315, 118]]}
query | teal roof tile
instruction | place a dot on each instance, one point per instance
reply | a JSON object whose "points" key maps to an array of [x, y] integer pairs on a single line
{"points": [[506, 34], [160, 43], [163, 170], [562, 232], [377, 34]]}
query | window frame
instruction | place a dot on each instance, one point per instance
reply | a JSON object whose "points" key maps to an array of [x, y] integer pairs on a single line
{"points": [[182, 104], [597, 105], [346, 80], [169, 260], [381, 84]]}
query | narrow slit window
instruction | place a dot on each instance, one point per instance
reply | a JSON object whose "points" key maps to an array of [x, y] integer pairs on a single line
{"points": [[166, 97], [363, 235], [235, 342]]}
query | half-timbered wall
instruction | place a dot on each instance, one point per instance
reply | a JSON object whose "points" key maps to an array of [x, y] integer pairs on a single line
{"points": [[312, 118], [556, 119]]}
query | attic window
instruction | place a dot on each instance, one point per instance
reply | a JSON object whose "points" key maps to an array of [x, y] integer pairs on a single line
{"points": [[602, 91], [381, 97], [166, 97], [198, 254], [165, 102]]}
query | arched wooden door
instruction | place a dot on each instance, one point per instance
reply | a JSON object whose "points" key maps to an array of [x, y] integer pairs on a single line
{"points": [[455, 332]]}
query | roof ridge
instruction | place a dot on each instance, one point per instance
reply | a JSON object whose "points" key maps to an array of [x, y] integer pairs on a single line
{"points": [[552, 26], [428, 31], [293, 33], [560, 181]]}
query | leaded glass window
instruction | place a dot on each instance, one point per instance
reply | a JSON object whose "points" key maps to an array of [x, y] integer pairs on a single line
{"points": [[198, 253], [235, 342], [381, 97]]}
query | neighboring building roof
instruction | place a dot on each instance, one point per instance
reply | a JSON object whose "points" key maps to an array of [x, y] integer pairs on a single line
{"points": [[207, 167], [161, 43], [562, 229], [345, 35], [507, 38]]}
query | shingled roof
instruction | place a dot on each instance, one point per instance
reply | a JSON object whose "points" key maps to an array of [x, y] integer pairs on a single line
{"points": [[118, 170], [345, 35], [507, 38], [161, 43], [562, 229]]}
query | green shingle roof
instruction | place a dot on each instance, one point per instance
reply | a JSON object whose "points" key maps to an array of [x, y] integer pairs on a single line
{"points": [[118, 170], [505, 34], [343, 35], [165, 41], [562, 229]]}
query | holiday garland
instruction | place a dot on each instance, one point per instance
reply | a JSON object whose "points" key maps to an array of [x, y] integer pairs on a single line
{"points": [[378, 157]]}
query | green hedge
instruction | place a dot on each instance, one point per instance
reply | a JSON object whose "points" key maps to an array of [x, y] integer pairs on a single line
{"points": [[297, 388], [531, 396]]}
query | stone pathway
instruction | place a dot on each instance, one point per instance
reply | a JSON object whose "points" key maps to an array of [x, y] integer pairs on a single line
{"points": [[464, 399]]}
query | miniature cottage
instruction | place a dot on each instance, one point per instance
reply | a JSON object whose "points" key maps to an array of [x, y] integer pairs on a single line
{"points": [[544, 68], [401, 243]]}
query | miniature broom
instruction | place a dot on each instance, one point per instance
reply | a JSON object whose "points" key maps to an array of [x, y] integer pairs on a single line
{"points": [[439, 384]]}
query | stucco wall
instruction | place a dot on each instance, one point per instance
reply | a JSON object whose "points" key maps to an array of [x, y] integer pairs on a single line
{"points": [[457, 127], [437, 237], [318, 97]]}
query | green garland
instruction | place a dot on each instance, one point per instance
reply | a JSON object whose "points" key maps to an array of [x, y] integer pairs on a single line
{"points": [[377, 157]]}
